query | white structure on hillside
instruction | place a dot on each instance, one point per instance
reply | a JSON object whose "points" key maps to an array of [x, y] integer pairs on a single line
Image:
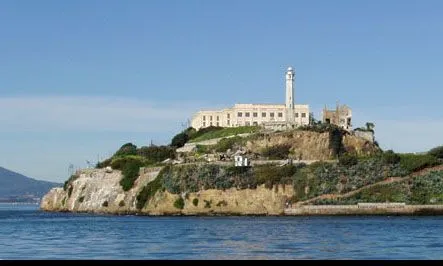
{"points": [[274, 116]]}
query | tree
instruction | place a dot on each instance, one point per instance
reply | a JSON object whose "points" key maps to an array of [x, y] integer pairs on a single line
{"points": [[437, 152], [370, 126], [127, 149]]}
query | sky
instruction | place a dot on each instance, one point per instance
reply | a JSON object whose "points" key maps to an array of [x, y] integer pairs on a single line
{"points": [[78, 79]]}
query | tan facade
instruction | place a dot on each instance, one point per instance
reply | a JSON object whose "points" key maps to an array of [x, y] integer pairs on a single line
{"points": [[341, 116], [274, 116]]}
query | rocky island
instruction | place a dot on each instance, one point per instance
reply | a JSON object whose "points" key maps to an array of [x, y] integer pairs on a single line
{"points": [[313, 169]]}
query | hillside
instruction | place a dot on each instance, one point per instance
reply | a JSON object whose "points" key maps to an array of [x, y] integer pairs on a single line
{"points": [[17, 187], [329, 167]]}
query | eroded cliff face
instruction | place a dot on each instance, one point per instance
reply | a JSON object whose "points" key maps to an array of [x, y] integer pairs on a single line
{"points": [[100, 192], [310, 145]]}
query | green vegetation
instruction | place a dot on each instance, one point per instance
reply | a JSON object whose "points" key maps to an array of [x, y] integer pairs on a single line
{"points": [[130, 174], [437, 152], [426, 189], [220, 132], [126, 149], [195, 202], [221, 203], [69, 181], [336, 141], [70, 190], [208, 204], [179, 203], [415, 162], [121, 203], [81, 199], [348, 160], [181, 138], [390, 157], [150, 189]]}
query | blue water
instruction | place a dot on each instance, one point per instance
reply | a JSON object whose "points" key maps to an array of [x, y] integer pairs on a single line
{"points": [[27, 233]]}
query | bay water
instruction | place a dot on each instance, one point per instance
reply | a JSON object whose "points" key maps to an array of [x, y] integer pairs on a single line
{"points": [[28, 233]]}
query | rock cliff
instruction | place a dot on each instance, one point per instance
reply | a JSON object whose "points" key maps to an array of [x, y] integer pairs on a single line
{"points": [[97, 191]]}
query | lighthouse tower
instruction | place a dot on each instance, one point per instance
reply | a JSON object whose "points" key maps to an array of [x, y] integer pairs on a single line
{"points": [[290, 76]]}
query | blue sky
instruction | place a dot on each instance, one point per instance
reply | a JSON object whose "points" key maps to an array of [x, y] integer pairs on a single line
{"points": [[80, 78]]}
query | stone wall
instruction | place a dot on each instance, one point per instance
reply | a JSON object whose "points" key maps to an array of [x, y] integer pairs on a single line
{"points": [[367, 135]]}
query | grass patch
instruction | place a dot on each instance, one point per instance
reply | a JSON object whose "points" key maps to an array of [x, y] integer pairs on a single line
{"points": [[224, 132]]}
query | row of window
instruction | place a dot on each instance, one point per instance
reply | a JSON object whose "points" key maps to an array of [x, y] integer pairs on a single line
{"points": [[255, 123], [254, 114]]}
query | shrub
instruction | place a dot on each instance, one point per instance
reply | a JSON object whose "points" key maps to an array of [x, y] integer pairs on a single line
{"points": [[179, 140], [70, 190], [390, 157], [222, 203], [437, 152], [208, 203], [276, 152], [415, 162], [156, 153], [348, 160], [121, 203], [105, 204], [149, 191], [126, 149], [179, 203], [228, 143], [130, 174], [104, 163], [195, 202], [69, 181], [121, 162], [81, 199]]}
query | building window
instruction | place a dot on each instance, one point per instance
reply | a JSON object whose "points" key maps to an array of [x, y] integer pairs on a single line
{"points": [[228, 116], [204, 124], [218, 124], [303, 114], [280, 114], [254, 114], [247, 114], [210, 124], [204, 118], [218, 118], [271, 114], [263, 114], [296, 114], [239, 114], [228, 122], [210, 117], [247, 124], [255, 123]]}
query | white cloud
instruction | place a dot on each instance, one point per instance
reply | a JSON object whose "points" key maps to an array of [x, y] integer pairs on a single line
{"points": [[42, 114]]}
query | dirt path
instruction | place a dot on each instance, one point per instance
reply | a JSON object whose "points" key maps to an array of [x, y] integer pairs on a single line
{"points": [[386, 181]]}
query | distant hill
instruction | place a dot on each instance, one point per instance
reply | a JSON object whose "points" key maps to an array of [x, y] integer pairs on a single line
{"points": [[16, 187]]}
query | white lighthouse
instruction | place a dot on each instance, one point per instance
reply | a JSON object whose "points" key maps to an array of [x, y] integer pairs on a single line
{"points": [[290, 76]]}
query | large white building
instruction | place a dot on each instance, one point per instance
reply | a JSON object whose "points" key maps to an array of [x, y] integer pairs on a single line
{"points": [[274, 116]]}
